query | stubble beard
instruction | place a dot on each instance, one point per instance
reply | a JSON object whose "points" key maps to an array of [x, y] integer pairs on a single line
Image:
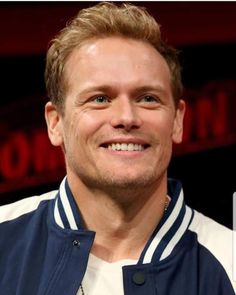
{"points": [[120, 188], [124, 187]]}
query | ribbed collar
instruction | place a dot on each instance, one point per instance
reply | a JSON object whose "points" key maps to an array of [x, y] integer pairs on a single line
{"points": [[66, 212], [169, 231]]}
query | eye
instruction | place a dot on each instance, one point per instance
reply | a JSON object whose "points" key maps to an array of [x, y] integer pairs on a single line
{"points": [[100, 99], [149, 99]]}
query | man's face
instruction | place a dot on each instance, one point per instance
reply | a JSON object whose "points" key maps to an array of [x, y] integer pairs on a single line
{"points": [[119, 121]]}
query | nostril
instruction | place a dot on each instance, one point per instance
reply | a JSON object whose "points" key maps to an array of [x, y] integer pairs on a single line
{"points": [[120, 126], [126, 126]]}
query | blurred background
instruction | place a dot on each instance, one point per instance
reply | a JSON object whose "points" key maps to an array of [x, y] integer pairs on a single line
{"points": [[204, 33]]}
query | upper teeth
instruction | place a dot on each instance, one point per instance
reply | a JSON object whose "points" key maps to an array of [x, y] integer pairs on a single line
{"points": [[125, 147]]}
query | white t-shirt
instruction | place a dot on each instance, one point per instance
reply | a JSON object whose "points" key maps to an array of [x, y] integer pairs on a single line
{"points": [[104, 278]]}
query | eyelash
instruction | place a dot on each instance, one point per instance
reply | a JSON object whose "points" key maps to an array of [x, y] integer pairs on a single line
{"points": [[103, 99], [153, 98], [95, 98]]}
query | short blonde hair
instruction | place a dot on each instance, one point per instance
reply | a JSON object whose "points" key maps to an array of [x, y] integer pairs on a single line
{"points": [[104, 20]]}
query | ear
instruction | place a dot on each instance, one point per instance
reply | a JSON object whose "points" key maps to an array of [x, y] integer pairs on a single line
{"points": [[177, 134], [54, 124]]}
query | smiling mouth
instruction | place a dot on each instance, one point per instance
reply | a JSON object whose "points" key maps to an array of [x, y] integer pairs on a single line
{"points": [[130, 147]]}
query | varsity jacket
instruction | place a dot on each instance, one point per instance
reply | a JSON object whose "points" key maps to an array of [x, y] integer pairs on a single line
{"points": [[44, 250]]}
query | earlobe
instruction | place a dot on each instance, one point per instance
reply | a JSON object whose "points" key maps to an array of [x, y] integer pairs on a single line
{"points": [[178, 123], [54, 127]]}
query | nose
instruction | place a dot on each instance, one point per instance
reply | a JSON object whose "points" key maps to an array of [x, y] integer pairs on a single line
{"points": [[125, 114]]}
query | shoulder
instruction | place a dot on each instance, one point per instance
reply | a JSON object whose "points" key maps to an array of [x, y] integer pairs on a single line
{"points": [[15, 210], [217, 239], [208, 230], [210, 233]]}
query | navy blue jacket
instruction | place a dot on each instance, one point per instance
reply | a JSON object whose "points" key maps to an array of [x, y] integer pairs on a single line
{"points": [[44, 250]]}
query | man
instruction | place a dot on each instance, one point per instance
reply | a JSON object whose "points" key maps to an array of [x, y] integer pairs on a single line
{"points": [[116, 225]]}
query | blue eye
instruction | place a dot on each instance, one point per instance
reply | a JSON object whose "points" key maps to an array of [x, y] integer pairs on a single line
{"points": [[149, 98], [100, 99]]}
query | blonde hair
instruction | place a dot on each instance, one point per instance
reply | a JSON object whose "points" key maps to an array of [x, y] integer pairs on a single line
{"points": [[104, 20]]}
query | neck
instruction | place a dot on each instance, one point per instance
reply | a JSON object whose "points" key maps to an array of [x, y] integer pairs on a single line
{"points": [[122, 225]]}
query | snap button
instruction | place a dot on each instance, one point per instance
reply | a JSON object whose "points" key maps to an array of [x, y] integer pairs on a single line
{"points": [[139, 278], [76, 243]]}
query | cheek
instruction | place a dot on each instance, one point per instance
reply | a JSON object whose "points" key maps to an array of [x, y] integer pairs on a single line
{"points": [[84, 124], [162, 125]]}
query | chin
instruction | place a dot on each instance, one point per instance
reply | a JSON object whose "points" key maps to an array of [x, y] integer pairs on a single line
{"points": [[130, 180]]}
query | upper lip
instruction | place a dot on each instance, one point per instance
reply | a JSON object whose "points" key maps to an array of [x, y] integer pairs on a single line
{"points": [[125, 140]]}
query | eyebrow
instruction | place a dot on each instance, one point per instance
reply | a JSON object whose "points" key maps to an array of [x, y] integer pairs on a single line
{"points": [[148, 88], [108, 88], [102, 88]]}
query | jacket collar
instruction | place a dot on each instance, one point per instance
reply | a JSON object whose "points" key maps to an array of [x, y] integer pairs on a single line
{"points": [[168, 233], [170, 230], [65, 209]]}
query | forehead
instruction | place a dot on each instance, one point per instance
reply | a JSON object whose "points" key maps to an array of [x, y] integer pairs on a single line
{"points": [[116, 59]]}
